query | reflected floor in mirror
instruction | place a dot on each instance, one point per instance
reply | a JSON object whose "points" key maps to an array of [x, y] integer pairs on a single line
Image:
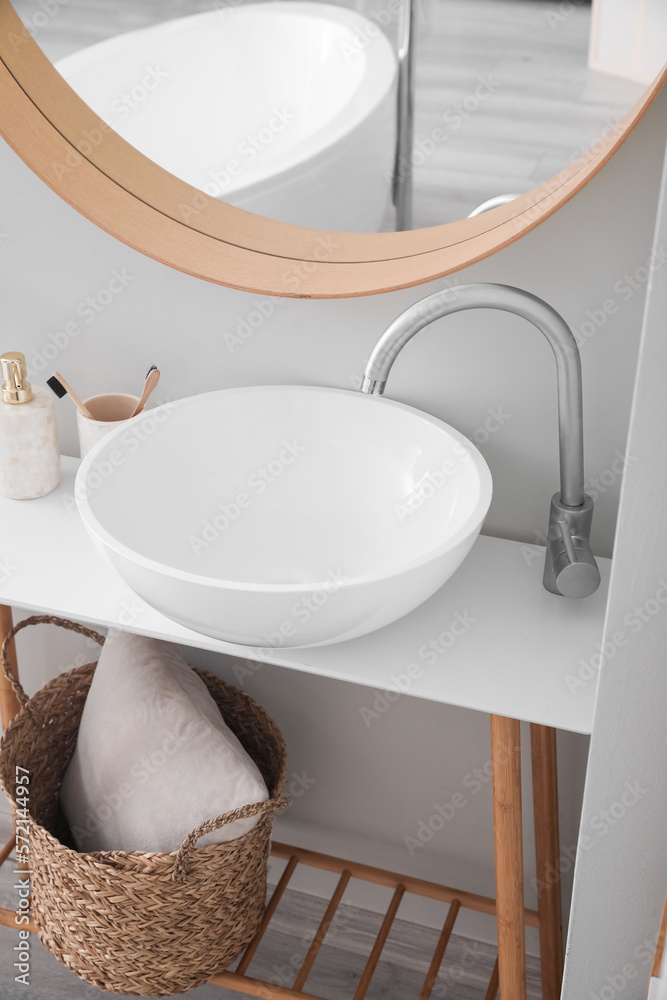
{"points": [[504, 97], [400, 973]]}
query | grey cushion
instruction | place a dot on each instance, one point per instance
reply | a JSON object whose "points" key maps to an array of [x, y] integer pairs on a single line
{"points": [[154, 758]]}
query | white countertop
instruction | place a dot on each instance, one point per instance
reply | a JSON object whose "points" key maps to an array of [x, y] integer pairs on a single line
{"points": [[502, 644]]}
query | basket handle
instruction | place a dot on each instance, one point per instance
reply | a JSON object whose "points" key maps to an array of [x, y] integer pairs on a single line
{"points": [[243, 812], [17, 687]]}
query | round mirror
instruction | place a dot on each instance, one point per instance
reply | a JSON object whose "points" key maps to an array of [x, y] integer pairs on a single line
{"points": [[394, 114]]}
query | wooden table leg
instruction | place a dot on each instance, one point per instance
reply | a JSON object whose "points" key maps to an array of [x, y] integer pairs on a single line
{"points": [[656, 968], [9, 706], [508, 847], [547, 856]]}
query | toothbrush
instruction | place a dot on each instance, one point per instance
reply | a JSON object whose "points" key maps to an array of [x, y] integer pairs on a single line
{"points": [[152, 379], [59, 386]]}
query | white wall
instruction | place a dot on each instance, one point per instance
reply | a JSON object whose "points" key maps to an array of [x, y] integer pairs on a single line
{"points": [[373, 786], [464, 369], [622, 877], [629, 38]]}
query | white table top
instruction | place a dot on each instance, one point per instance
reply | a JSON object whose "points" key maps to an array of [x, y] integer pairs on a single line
{"points": [[519, 651]]}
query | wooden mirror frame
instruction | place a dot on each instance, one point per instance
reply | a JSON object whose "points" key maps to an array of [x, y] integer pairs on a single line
{"points": [[144, 206]]}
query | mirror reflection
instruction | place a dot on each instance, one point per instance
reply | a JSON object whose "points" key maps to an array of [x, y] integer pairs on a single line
{"points": [[304, 111]]}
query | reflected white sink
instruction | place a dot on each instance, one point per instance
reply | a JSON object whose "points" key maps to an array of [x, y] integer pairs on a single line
{"points": [[284, 515], [286, 109]]}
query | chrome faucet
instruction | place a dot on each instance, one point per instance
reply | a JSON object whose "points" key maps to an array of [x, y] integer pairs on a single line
{"points": [[570, 568]]}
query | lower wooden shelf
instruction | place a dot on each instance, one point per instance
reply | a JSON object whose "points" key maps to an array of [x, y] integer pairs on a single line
{"points": [[240, 981]]}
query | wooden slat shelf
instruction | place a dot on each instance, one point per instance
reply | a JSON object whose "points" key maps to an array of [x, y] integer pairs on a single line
{"points": [[440, 949], [239, 979]]}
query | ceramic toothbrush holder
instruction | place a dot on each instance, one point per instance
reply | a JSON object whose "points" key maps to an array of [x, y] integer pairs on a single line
{"points": [[108, 410]]}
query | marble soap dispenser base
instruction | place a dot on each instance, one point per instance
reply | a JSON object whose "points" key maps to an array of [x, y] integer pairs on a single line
{"points": [[29, 451]]}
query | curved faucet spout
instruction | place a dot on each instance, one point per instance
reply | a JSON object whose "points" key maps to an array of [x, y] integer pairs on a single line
{"points": [[536, 311], [571, 511]]}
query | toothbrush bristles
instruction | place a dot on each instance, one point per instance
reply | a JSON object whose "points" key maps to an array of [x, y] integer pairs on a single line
{"points": [[56, 386], [152, 368]]}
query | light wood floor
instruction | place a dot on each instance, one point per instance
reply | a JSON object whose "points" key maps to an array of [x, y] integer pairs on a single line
{"points": [[400, 974], [544, 109]]}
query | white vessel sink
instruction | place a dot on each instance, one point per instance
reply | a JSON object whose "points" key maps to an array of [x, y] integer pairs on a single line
{"points": [[284, 515]]}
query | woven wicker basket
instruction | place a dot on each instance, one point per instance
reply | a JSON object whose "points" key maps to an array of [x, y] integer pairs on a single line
{"points": [[130, 922]]}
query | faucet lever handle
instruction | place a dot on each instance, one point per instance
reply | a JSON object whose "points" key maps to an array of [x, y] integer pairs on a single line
{"points": [[570, 550], [570, 569]]}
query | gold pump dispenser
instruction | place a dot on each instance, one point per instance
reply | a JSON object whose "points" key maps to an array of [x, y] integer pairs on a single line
{"points": [[15, 385]]}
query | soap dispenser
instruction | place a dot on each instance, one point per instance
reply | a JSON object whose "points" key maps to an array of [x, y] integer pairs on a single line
{"points": [[29, 452]]}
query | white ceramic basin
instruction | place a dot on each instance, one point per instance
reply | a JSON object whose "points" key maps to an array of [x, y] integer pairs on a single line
{"points": [[284, 515]]}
